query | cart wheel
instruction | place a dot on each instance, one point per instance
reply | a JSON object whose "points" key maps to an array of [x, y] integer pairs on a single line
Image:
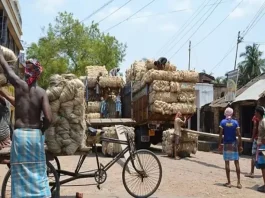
{"points": [[144, 178], [54, 184], [56, 164]]}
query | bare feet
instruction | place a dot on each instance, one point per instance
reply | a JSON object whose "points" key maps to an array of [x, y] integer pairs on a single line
{"points": [[228, 185], [239, 186], [261, 189]]}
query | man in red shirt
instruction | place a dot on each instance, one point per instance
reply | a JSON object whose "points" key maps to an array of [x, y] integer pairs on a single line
{"points": [[254, 145]]}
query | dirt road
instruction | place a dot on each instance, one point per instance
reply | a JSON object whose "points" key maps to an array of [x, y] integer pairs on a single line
{"points": [[202, 175]]}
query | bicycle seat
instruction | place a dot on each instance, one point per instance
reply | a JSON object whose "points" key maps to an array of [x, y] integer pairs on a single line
{"points": [[92, 131]]}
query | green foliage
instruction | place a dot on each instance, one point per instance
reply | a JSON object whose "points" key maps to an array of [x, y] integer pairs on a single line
{"points": [[252, 66], [70, 46]]}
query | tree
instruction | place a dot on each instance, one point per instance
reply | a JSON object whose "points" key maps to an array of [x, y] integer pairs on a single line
{"points": [[220, 80], [70, 46], [252, 65], [204, 71]]}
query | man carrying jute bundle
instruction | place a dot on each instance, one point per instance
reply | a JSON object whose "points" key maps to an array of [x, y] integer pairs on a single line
{"points": [[28, 161], [177, 133]]}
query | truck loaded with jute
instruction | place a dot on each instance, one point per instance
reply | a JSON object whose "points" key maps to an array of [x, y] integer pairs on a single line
{"points": [[157, 92]]}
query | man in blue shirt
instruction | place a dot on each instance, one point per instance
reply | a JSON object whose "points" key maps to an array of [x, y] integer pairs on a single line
{"points": [[230, 129]]}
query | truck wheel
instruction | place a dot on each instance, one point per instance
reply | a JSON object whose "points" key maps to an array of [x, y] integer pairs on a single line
{"points": [[138, 143]]}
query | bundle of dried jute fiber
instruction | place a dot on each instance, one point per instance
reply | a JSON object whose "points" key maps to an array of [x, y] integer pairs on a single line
{"points": [[184, 97], [93, 107], [93, 139], [166, 108], [94, 71], [160, 85], [9, 55], [185, 87], [3, 80], [168, 97], [128, 75], [136, 86], [138, 70], [188, 143], [92, 115], [152, 75], [67, 132], [111, 82], [185, 76], [111, 149]]}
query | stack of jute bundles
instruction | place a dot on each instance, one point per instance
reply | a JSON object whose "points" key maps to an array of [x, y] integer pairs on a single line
{"points": [[92, 74], [171, 91], [11, 59], [67, 132], [188, 143], [111, 149]]}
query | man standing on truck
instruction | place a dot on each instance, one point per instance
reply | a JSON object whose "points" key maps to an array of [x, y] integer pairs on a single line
{"points": [[177, 132], [114, 71], [28, 161], [254, 139], [161, 63], [230, 129]]}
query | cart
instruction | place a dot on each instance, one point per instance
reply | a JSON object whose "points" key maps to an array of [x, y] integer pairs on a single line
{"points": [[136, 170]]}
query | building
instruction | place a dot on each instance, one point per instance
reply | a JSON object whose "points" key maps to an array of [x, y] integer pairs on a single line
{"points": [[10, 35], [11, 27]]}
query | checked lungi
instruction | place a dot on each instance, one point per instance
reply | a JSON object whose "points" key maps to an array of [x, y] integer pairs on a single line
{"points": [[230, 152], [260, 157], [28, 165]]}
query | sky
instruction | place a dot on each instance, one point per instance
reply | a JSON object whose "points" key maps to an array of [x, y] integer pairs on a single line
{"points": [[157, 30]]}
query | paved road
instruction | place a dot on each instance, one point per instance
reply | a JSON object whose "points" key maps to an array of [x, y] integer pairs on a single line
{"points": [[202, 175]]}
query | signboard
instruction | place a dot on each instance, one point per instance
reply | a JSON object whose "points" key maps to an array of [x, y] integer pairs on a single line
{"points": [[231, 86]]}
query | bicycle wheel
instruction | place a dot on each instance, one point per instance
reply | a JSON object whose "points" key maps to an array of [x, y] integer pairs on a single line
{"points": [[144, 178], [55, 185], [56, 164]]}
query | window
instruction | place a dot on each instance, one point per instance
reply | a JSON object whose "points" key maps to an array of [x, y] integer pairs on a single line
{"points": [[3, 28]]}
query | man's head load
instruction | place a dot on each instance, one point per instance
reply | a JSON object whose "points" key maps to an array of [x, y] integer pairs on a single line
{"points": [[33, 70]]}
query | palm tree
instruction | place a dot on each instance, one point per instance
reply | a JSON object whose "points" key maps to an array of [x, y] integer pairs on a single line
{"points": [[204, 71], [252, 65], [220, 80]]}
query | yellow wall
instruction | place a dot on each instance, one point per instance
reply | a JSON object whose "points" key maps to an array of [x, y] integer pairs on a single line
{"points": [[10, 90]]}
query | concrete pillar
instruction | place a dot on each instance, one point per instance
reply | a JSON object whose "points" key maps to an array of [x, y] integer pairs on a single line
{"points": [[198, 119]]}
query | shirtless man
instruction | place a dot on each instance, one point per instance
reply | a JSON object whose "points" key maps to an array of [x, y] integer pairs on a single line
{"points": [[28, 161]]}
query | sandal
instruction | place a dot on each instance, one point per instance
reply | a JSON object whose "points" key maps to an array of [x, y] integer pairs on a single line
{"points": [[228, 185], [261, 189], [239, 186], [250, 175]]}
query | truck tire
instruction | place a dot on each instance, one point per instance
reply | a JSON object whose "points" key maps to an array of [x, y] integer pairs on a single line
{"points": [[138, 143]]}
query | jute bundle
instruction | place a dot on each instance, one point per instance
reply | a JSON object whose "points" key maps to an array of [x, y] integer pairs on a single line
{"points": [[177, 87], [91, 81], [93, 139], [128, 75], [160, 85], [94, 71], [168, 67], [111, 149], [93, 107], [67, 132], [175, 76], [136, 86], [9, 55], [3, 80], [163, 96], [169, 109], [92, 115], [111, 82], [138, 70], [186, 97], [188, 143]]}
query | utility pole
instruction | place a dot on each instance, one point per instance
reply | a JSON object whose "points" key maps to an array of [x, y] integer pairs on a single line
{"points": [[239, 40], [189, 55]]}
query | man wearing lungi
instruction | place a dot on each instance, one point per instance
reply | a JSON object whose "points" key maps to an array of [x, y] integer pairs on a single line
{"points": [[254, 139], [260, 157], [28, 161], [177, 133], [230, 129]]}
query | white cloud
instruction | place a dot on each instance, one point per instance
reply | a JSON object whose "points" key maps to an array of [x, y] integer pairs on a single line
{"points": [[168, 27], [48, 6], [123, 13]]}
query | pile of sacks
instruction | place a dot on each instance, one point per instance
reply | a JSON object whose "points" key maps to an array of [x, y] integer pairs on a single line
{"points": [[11, 59], [170, 90], [93, 110], [67, 132], [111, 149], [188, 143]]}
